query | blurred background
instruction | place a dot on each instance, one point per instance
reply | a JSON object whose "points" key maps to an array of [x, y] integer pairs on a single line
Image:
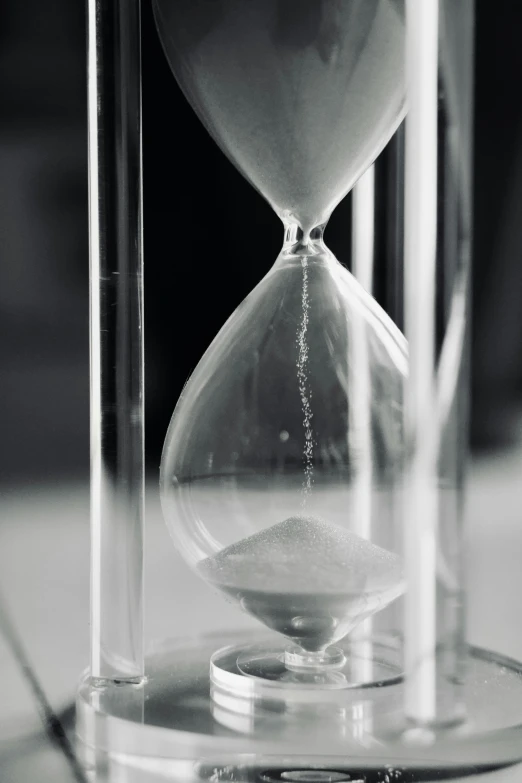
{"points": [[195, 203]]}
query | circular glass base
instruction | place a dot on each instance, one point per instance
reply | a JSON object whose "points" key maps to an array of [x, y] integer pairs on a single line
{"points": [[368, 663], [298, 660], [273, 676], [169, 726]]}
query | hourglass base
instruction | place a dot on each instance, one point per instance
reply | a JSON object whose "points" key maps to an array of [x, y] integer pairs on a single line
{"points": [[181, 725], [280, 676]]}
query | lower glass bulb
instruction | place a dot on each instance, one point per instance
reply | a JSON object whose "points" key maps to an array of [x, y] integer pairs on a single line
{"points": [[287, 434]]}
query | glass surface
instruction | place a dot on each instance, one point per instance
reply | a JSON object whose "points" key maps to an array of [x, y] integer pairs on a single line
{"points": [[437, 226], [265, 468], [171, 728], [116, 339]]}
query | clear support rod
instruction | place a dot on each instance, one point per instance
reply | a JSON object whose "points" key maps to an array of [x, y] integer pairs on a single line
{"points": [[421, 500], [116, 318], [363, 230], [433, 628]]}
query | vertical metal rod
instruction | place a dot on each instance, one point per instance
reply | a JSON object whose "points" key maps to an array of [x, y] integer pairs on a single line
{"points": [[422, 500], [116, 333]]}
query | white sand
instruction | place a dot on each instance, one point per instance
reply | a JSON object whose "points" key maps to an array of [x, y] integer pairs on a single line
{"points": [[304, 555]]}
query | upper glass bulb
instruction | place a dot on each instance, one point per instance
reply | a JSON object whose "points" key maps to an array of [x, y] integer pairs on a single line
{"points": [[302, 95]]}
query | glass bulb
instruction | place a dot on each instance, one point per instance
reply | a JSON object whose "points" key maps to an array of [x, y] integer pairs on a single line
{"points": [[292, 421], [263, 455], [301, 96]]}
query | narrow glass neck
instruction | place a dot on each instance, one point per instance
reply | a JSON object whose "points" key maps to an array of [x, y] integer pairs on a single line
{"points": [[299, 242]]}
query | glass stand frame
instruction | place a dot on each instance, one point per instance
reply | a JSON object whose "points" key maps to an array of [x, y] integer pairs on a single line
{"points": [[153, 718]]}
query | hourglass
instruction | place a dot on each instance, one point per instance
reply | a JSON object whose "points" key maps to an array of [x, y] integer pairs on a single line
{"points": [[271, 437], [312, 472]]}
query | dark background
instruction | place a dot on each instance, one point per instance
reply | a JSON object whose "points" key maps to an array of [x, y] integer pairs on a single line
{"points": [[209, 237]]}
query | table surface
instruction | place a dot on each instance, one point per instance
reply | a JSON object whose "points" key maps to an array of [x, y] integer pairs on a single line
{"points": [[44, 612]]}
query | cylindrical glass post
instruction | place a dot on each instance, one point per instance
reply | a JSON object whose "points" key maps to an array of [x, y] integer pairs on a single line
{"points": [[362, 252], [116, 340], [437, 240]]}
